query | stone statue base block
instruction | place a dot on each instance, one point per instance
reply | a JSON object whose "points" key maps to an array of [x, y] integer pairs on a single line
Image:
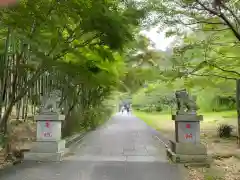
{"points": [[188, 153], [33, 156], [188, 148], [187, 117], [46, 151], [48, 146]]}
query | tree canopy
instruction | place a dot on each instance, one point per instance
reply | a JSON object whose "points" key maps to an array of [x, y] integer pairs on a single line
{"points": [[76, 47], [206, 59]]}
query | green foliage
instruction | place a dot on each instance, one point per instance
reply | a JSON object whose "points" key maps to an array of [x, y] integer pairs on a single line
{"points": [[182, 15], [136, 77], [224, 131], [215, 99], [88, 120], [77, 47], [213, 177], [160, 97], [155, 97], [207, 59], [3, 140], [206, 62], [143, 64]]}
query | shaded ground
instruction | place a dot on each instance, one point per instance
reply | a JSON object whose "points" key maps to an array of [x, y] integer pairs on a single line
{"points": [[21, 135], [123, 149], [225, 152]]}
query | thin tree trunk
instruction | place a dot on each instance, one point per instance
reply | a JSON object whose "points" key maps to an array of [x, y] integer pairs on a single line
{"points": [[18, 109]]}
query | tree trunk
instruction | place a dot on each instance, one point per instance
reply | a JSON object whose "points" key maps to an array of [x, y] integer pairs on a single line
{"points": [[238, 108], [4, 119]]}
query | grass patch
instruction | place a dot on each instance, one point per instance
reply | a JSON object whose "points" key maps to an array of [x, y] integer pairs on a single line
{"points": [[208, 116], [160, 122], [153, 119]]}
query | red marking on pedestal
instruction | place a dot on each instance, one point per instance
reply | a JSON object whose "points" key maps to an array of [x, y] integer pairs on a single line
{"points": [[188, 136], [7, 2], [188, 126], [47, 124]]}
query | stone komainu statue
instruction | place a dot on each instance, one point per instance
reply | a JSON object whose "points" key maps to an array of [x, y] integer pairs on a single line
{"points": [[50, 103], [185, 104]]}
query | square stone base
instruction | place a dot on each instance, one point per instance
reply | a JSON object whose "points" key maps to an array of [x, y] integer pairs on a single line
{"points": [[36, 156], [188, 153], [187, 117], [46, 151], [188, 148], [48, 146]]}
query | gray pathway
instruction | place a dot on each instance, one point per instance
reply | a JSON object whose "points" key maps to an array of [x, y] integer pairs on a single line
{"points": [[122, 149]]}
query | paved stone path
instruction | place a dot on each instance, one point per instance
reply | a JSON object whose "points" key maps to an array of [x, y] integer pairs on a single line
{"points": [[123, 149]]}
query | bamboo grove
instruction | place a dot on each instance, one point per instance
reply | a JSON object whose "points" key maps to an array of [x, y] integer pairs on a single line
{"points": [[72, 46]]}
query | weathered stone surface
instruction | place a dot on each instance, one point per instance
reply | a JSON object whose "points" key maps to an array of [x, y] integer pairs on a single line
{"points": [[185, 103], [49, 117], [188, 135], [48, 147], [188, 148], [184, 158], [37, 156], [50, 133], [187, 117]]}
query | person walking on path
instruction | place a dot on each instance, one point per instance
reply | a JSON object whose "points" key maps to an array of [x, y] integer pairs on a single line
{"points": [[122, 109], [128, 109]]}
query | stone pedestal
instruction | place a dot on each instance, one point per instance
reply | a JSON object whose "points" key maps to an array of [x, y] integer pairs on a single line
{"points": [[48, 146], [187, 147]]}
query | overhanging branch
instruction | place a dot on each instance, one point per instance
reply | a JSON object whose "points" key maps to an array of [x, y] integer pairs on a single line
{"points": [[223, 17], [214, 75]]}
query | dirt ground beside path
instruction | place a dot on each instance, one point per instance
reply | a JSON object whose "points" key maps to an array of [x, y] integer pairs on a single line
{"points": [[21, 135], [225, 152]]}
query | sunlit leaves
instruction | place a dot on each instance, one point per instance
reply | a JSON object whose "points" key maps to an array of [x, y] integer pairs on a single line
{"points": [[188, 1]]}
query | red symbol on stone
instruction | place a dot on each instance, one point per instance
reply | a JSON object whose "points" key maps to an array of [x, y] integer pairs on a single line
{"points": [[188, 126], [7, 2], [47, 134], [47, 124], [188, 136]]}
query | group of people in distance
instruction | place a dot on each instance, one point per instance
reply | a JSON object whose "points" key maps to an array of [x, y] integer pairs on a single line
{"points": [[125, 108]]}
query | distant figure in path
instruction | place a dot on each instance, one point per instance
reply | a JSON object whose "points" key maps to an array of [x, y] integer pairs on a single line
{"points": [[122, 109], [128, 109]]}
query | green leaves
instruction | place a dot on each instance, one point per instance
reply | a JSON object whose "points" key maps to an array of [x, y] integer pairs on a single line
{"points": [[189, 15], [78, 42], [188, 1]]}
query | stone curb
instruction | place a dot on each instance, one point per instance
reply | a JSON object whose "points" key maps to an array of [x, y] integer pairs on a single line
{"points": [[74, 139], [158, 135], [161, 138], [162, 141]]}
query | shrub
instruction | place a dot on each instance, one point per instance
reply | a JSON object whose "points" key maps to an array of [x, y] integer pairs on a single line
{"points": [[225, 131], [212, 178], [2, 140], [88, 119], [159, 108]]}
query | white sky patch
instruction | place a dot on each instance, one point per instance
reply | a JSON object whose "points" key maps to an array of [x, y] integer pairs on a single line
{"points": [[161, 42]]}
